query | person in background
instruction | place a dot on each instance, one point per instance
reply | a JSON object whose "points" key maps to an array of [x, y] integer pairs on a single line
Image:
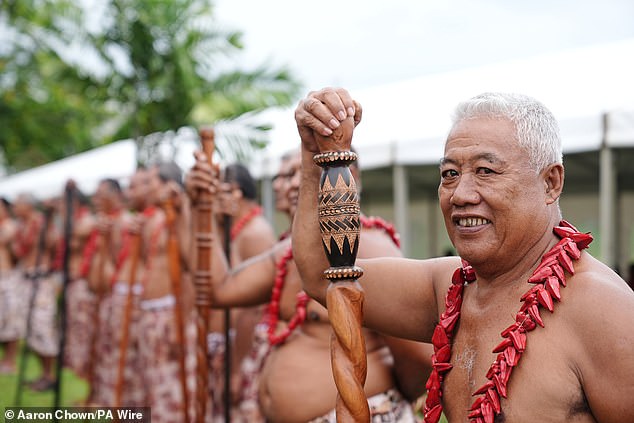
{"points": [[9, 278], [297, 365]]}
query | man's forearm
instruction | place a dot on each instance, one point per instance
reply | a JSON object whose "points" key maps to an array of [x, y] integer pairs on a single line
{"points": [[307, 246]]}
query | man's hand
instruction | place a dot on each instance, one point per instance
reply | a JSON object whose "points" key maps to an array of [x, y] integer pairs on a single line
{"points": [[104, 223], [201, 177], [136, 223], [322, 112]]}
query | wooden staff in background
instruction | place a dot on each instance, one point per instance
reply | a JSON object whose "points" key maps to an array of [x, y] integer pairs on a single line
{"points": [[135, 251], [173, 254], [202, 278], [340, 227]]}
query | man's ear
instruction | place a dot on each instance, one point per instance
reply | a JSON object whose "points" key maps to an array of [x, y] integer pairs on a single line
{"points": [[553, 181]]}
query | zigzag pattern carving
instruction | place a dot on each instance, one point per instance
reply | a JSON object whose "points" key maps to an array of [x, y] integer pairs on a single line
{"points": [[340, 228]]}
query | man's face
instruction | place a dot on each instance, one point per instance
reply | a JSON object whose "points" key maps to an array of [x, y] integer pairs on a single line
{"points": [[4, 212], [101, 198], [137, 191], [228, 198], [21, 207], [280, 187], [155, 187], [295, 173], [492, 201]]}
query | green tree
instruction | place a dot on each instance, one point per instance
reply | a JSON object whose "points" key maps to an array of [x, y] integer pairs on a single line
{"points": [[44, 111], [158, 65]]}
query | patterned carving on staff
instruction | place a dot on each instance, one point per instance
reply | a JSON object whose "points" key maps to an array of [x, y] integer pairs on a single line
{"points": [[202, 278], [340, 228]]}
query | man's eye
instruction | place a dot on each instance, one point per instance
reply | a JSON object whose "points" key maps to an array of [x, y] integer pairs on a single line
{"points": [[485, 170], [449, 173]]}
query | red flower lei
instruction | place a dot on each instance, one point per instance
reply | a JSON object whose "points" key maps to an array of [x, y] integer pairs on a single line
{"points": [[61, 244], [237, 227], [273, 311], [546, 279], [88, 253], [25, 240], [302, 298], [374, 222], [124, 251]]}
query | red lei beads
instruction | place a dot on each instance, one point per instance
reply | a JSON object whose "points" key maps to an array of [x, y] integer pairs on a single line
{"points": [[374, 222], [237, 227], [273, 310], [26, 239], [88, 253], [546, 279]]}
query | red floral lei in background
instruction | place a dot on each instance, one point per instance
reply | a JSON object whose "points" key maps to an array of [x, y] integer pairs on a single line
{"points": [[273, 311], [25, 240], [237, 227], [546, 280]]}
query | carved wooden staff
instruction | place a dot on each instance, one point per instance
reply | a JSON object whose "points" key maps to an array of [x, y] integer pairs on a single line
{"points": [[173, 252], [202, 278], [226, 224], [340, 227], [135, 252]]}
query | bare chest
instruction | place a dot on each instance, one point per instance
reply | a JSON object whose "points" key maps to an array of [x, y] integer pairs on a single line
{"points": [[543, 386]]}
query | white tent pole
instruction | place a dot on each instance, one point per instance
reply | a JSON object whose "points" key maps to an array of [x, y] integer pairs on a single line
{"points": [[607, 199], [401, 201]]}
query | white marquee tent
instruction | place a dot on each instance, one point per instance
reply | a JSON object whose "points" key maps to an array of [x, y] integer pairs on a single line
{"points": [[590, 90]]}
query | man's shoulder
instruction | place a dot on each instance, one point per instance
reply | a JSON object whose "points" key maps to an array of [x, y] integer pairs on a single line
{"points": [[375, 242], [257, 235], [596, 290]]}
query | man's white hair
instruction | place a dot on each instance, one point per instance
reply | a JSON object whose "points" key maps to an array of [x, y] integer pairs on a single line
{"points": [[536, 127]]}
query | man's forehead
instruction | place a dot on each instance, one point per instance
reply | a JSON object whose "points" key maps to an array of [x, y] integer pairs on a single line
{"points": [[453, 157]]}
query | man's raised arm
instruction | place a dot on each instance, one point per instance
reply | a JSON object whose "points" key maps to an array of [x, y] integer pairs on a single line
{"points": [[332, 106]]}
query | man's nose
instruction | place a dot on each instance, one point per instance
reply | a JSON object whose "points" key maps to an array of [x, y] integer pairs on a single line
{"points": [[465, 191]]}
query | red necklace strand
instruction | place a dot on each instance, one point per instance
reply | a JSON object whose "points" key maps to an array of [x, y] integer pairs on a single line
{"points": [[273, 311], [25, 240], [61, 243], [374, 222], [126, 241], [546, 279], [272, 314], [237, 227], [124, 251], [88, 253]]}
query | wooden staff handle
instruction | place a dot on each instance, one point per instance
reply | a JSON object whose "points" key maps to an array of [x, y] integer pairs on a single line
{"points": [[202, 278], [340, 228], [174, 267], [135, 252]]}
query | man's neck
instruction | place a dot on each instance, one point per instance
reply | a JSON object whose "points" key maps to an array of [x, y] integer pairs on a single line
{"points": [[493, 275], [244, 208]]}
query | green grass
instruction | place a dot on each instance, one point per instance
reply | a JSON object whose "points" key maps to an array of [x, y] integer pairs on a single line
{"points": [[74, 390]]}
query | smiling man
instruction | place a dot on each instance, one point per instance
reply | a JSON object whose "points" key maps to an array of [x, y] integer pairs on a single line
{"points": [[526, 326]]}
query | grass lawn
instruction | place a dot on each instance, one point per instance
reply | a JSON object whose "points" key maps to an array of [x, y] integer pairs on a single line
{"points": [[74, 390]]}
